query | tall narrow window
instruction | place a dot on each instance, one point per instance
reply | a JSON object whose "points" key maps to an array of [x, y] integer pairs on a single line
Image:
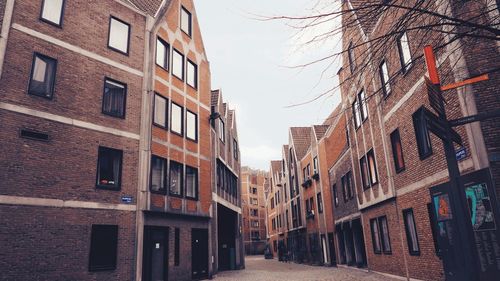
{"points": [[384, 78], [103, 247], [397, 151], [43, 74], [175, 183], [158, 174], [411, 232], [356, 114], [350, 184], [344, 187], [191, 125], [162, 51], [320, 203], [109, 168], [177, 247], [52, 11], [192, 74], [422, 134], [335, 195], [160, 111], [365, 178], [186, 19], [362, 105], [178, 64], [114, 98], [176, 119], [315, 165], [348, 142], [377, 249], [222, 130], [352, 59], [384, 231], [404, 52], [119, 33], [191, 182], [372, 167], [235, 149]]}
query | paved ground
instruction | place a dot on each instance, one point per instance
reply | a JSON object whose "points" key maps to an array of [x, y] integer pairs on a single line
{"points": [[259, 269]]}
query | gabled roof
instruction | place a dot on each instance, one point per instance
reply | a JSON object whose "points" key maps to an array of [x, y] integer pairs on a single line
{"points": [[149, 7], [230, 116], [320, 130], [333, 116], [301, 137], [367, 16], [276, 166], [214, 98]]}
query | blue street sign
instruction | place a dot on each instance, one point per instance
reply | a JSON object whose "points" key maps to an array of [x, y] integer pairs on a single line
{"points": [[461, 153], [127, 199]]}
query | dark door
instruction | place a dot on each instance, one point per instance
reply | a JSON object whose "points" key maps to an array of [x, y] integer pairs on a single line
{"points": [[155, 254], [199, 254], [333, 257]]}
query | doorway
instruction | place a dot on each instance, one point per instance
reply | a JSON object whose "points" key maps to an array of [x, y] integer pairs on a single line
{"points": [[226, 231], [155, 253], [199, 254]]}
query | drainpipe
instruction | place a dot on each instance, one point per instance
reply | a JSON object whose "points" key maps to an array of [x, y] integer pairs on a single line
{"points": [[4, 35], [152, 26]]}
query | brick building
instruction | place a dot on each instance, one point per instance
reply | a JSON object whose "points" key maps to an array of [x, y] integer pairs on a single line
{"points": [[377, 162], [253, 195], [275, 210], [107, 144]]}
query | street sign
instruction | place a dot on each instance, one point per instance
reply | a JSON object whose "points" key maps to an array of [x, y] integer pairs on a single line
{"points": [[435, 97], [127, 199], [440, 128], [474, 118], [461, 153]]}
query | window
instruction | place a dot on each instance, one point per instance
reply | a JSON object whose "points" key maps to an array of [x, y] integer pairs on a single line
{"points": [[177, 247], [343, 180], [335, 196], [404, 52], [272, 203], [422, 134], [178, 64], [411, 232], [364, 173], [362, 105], [158, 174], [254, 212], [352, 59], [191, 182], [162, 51], [386, 242], [192, 74], [52, 11], [356, 114], [235, 149], [350, 184], [320, 203], [434, 230], [255, 235], [103, 247], [384, 78], [114, 98], [43, 74], [176, 119], [186, 25], [175, 183], [119, 33], [315, 165], [254, 201], [222, 130], [109, 168], [397, 151], [372, 167], [255, 223], [191, 126], [254, 190], [347, 136], [160, 111], [377, 249]]}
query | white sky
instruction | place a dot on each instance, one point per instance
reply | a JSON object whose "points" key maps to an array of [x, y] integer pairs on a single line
{"points": [[247, 61]]}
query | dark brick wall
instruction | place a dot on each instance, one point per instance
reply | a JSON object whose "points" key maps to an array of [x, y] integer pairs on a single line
{"points": [[42, 243], [350, 206]]}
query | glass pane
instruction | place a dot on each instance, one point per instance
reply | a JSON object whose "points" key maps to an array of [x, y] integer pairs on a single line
{"points": [[175, 178], [363, 101], [373, 168], [108, 167], [176, 118], [191, 182], [52, 10], [157, 174], [114, 98], [118, 35], [412, 231], [405, 49], [177, 64], [191, 125], [385, 234], [161, 54], [160, 110], [185, 21], [39, 70], [376, 235], [191, 74], [385, 78]]}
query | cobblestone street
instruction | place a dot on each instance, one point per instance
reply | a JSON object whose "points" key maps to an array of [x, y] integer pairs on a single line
{"points": [[259, 269]]}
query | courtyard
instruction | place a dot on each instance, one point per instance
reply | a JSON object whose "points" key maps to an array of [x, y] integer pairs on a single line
{"points": [[259, 269]]}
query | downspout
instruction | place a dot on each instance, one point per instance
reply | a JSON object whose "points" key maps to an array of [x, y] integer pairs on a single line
{"points": [[4, 35], [152, 25]]}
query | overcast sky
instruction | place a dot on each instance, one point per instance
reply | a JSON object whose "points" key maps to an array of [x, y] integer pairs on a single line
{"points": [[248, 61]]}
